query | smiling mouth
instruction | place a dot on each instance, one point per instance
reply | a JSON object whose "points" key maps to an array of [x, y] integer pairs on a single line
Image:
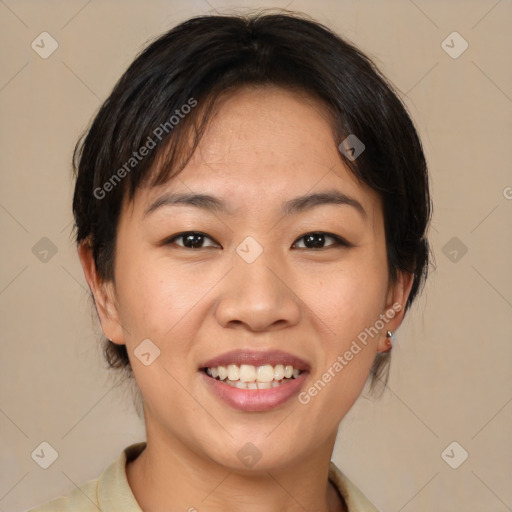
{"points": [[247, 376]]}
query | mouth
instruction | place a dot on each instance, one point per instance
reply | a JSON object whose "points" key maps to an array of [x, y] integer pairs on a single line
{"points": [[248, 376], [255, 381]]}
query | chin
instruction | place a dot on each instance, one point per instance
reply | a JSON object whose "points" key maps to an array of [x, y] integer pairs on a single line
{"points": [[254, 454]]}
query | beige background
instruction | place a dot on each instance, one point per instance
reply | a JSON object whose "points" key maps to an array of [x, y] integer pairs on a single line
{"points": [[451, 377]]}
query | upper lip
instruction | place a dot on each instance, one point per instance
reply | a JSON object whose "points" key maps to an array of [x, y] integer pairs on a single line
{"points": [[256, 358]]}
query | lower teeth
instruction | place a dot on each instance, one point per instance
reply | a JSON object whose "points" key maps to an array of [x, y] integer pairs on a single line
{"points": [[255, 385]]}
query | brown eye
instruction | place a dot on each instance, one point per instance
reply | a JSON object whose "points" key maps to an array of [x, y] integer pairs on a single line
{"points": [[191, 240], [317, 239]]}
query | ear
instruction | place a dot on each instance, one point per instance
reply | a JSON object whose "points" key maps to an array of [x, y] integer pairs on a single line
{"points": [[104, 296], [394, 310]]}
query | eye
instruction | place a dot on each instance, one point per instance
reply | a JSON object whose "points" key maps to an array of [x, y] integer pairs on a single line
{"points": [[191, 240], [315, 240]]}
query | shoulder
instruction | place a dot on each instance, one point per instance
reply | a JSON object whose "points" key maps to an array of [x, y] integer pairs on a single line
{"points": [[110, 492], [354, 498], [83, 498]]}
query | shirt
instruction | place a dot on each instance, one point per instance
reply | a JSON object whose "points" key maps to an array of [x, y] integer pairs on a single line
{"points": [[112, 493]]}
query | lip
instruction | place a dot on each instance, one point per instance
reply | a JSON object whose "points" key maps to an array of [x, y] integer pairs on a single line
{"points": [[256, 358], [255, 400]]}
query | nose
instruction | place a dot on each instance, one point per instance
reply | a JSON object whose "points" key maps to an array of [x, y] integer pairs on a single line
{"points": [[258, 296]]}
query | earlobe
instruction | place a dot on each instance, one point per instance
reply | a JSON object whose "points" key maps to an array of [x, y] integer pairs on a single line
{"points": [[395, 309], [103, 295], [388, 342]]}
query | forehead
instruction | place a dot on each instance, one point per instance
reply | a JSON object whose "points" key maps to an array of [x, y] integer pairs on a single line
{"points": [[262, 146]]}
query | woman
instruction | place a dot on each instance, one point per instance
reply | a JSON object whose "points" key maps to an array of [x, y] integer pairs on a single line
{"points": [[251, 208]]}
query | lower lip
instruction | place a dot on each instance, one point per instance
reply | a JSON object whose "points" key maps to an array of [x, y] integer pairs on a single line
{"points": [[255, 400]]}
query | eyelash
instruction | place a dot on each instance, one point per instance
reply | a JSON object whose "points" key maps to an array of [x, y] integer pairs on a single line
{"points": [[338, 241]]}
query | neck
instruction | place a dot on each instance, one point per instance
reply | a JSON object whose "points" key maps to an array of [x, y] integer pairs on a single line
{"points": [[168, 473]]}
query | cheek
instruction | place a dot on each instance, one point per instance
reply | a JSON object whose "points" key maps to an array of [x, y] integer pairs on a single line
{"points": [[156, 302], [150, 292], [349, 300], [142, 295], [350, 303], [162, 300]]}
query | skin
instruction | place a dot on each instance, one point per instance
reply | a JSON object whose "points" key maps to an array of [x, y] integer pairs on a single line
{"points": [[195, 304]]}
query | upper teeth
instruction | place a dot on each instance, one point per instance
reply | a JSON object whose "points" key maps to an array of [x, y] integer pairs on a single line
{"points": [[250, 373]]}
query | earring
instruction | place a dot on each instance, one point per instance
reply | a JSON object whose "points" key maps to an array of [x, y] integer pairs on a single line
{"points": [[390, 337]]}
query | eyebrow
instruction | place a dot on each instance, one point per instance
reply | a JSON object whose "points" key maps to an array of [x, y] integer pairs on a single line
{"points": [[292, 206]]}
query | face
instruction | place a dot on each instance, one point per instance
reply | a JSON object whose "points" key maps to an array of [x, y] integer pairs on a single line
{"points": [[242, 286]]}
